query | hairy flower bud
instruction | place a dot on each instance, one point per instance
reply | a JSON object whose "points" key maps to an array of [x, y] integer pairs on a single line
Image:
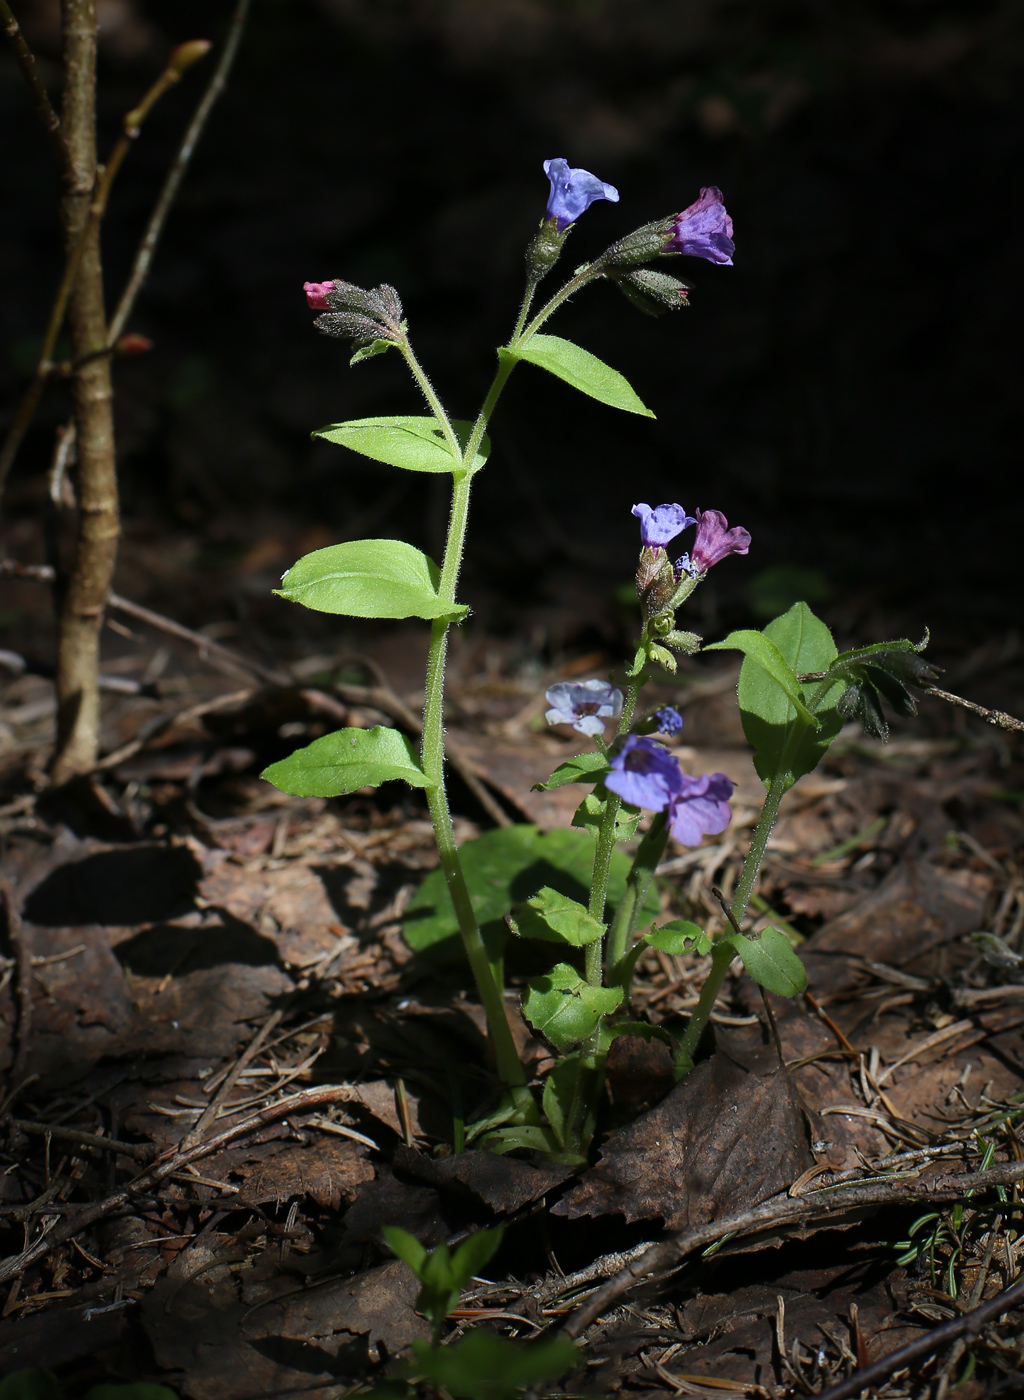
{"points": [[653, 293], [641, 245], [545, 249], [356, 313], [346, 325]]}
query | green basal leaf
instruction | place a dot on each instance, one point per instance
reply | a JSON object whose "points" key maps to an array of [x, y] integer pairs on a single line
{"points": [[565, 1008], [581, 369], [487, 1366], [643, 1029], [559, 1091], [368, 578], [771, 723], [473, 1254], [417, 444], [346, 761], [759, 647], [678, 937], [770, 960], [554, 918], [583, 768], [525, 1137], [406, 1247], [590, 814], [504, 868]]}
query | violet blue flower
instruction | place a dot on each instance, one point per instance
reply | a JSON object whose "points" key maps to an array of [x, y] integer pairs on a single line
{"points": [[704, 230], [645, 774], [670, 721], [583, 704], [573, 192], [714, 541], [316, 294], [662, 524], [700, 807]]}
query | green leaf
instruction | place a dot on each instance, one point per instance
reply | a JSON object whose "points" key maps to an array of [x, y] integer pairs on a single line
{"points": [[565, 1008], [582, 768], [31, 1383], [368, 578], [474, 1253], [417, 444], [367, 352], [581, 369], [486, 1366], [406, 1247], [643, 1029], [554, 918], [771, 723], [590, 814], [523, 1136], [759, 647], [559, 1091], [770, 960], [503, 868], [678, 937], [346, 761]]}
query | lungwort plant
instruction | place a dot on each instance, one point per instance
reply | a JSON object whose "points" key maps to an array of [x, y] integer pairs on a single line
{"points": [[795, 691]]}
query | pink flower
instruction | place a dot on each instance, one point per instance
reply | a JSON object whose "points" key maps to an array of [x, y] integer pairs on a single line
{"points": [[714, 542], [704, 230], [316, 294]]}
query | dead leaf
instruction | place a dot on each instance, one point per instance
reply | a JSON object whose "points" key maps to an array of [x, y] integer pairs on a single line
{"points": [[328, 1172], [503, 1184]]}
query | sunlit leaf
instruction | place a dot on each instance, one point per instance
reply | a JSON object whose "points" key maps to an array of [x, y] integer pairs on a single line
{"points": [[368, 578], [346, 761]]}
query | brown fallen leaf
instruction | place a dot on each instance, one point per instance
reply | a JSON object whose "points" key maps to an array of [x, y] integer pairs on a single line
{"points": [[502, 1183], [328, 1172], [726, 1135]]}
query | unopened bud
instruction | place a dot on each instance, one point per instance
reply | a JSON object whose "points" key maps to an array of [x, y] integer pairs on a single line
{"points": [[640, 246], [545, 249], [132, 344], [653, 293], [183, 57]]}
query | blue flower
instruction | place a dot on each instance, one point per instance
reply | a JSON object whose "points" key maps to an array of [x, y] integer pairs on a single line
{"points": [[645, 774], [670, 721], [573, 192], [700, 807], [662, 524], [704, 230], [583, 704]]}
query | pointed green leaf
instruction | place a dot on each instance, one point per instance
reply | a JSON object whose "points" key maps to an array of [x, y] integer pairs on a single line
{"points": [[368, 578], [474, 1253], [642, 1029], [346, 761], [678, 937], [582, 768], [581, 369], [770, 960], [555, 918], [406, 1247], [590, 814], [486, 1366], [565, 1008], [417, 444], [760, 648]]}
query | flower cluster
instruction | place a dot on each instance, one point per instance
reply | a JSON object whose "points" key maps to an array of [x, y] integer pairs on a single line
{"points": [[583, 704], [356, 313], [714, 540], [645, 774]]}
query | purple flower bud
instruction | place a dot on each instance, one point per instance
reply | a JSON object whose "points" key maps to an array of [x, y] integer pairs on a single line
{"points": [[583, 704], [714, 542], [316, 294], [704, 230], [670, 721], [573, 192], [700, 807], [645, 774], [661, 524]]}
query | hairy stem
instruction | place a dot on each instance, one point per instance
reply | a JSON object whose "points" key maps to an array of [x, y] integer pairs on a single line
{"points": [[98, 527], [590, 273], [620, 935]]}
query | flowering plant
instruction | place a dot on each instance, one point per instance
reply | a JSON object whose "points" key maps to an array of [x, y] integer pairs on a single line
{"points": [[794, 692]]}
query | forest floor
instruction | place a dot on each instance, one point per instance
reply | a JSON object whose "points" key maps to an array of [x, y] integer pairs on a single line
{"points": [[227, 1071]]}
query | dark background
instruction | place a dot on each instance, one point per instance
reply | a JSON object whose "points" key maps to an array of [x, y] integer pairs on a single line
{"points": [[849, 391]]}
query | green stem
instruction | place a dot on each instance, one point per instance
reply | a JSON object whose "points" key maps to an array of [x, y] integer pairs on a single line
{"points": [[620, 935], [437, 408], [590, 273], [524, 310], [723, 953]]}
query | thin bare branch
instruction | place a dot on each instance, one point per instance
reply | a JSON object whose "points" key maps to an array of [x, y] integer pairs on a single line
{"points": [[41, 103], [997, 717]]}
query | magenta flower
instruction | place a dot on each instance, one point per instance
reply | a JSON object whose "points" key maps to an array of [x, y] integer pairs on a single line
{"points": [[583, 704], [316, 294], [704, 230], [714, 542], [573, 192], [662, 524], [700, 807]]}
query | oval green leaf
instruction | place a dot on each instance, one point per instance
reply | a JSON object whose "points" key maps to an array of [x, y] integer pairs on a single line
{"points": [[771, 962], [416, 444], [581, 369], [564, 1007], [582, 768], [368, 578], [678, 937], [555, 918], [346, 761], [760, 648]]}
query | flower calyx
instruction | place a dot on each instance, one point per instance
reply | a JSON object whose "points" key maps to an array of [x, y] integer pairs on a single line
{"points": [[651, 292], [362, 315]]}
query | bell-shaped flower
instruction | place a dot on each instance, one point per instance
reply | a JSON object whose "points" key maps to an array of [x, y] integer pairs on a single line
{"points": [[704, 230], [700, 807], [573, 192], [316, 294], [644, 774], [670, 721], [714, 542], [662, 524], [583, 704]]}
